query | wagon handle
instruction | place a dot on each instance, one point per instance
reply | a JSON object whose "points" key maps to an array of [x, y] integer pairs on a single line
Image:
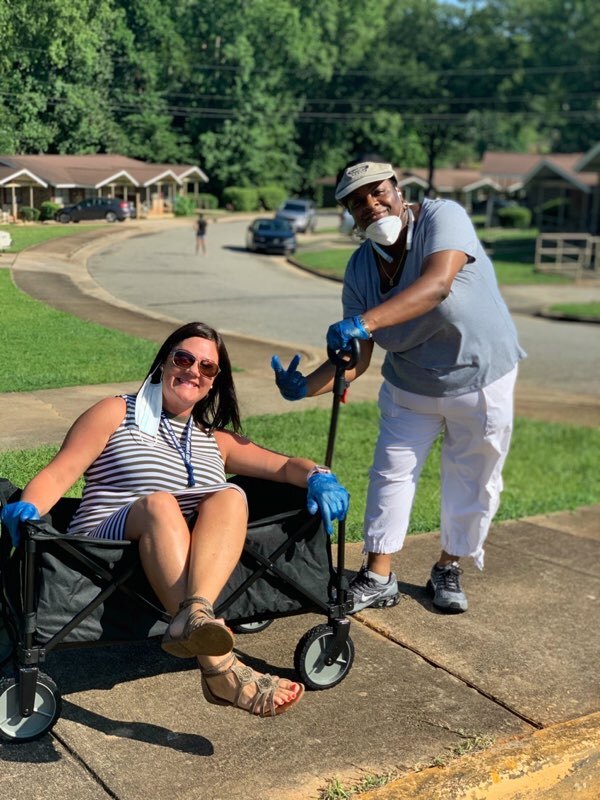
{"points": [[342, 360]]}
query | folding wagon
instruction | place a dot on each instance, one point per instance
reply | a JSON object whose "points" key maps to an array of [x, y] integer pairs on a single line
{"points": [[60, 591]]}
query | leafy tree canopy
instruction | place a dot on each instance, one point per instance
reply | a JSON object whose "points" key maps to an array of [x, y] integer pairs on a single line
{"points": [[285, 91]]}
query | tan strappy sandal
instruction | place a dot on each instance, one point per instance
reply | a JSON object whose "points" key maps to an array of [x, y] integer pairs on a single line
{"points": [[202, 635], [263, 702]]}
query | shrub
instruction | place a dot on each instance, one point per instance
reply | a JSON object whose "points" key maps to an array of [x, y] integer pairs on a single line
{"points": [[272, 196], [48, 209], [241, 198], [28, 214], [184, 206], [551, 208], [206, 200], [514, 217]]}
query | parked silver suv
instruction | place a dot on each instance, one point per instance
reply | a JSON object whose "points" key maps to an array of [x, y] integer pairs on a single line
{"points": [[301, 214]]}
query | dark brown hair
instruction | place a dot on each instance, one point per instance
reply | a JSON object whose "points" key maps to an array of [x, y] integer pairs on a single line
{"points": [[219, 409]]}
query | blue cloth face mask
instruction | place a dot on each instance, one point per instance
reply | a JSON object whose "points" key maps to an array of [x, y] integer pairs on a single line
{"points": [[148, 406]]}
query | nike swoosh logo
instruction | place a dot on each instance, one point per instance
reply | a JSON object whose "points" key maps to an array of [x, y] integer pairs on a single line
{"points": [[364, 598]]}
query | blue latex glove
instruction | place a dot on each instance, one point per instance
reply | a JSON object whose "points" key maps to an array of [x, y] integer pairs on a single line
{"points": [[327, 495], [340, 333], [13, 514], [290, 382]]}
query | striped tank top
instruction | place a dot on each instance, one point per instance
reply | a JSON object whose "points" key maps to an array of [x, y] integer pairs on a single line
{"points": [[134, 464]]}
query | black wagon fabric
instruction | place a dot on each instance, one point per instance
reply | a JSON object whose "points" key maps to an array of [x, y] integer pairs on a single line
{"points": [[72, 571]]}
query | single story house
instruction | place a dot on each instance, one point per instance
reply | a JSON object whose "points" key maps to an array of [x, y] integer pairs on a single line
{"points": [[554, 186], [590, 162], [28, 180], [466, 186], [561, 189]]}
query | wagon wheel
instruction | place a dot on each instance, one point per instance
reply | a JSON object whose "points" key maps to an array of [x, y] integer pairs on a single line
{"points": [[251, 627], [47, 706], [309, 659]]}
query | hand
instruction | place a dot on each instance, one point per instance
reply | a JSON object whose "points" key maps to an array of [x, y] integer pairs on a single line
{"points": [[327, 495], [340, 333], [290, 382], [13, 514]]}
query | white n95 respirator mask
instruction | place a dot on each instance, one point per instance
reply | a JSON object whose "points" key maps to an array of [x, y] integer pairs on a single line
{"points": [[384, 231]]}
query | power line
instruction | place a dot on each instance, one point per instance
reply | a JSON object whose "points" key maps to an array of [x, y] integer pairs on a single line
{"points": [[379, 104], [305, 117], [548, 69]]}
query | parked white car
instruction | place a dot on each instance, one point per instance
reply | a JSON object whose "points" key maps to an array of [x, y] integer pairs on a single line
{"points": [[346, 223], [301, 214]]}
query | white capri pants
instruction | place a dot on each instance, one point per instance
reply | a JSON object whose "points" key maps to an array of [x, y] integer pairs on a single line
{"points": [[477, 429]]}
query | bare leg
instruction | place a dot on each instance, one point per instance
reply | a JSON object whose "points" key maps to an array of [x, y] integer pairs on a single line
{"points": [[180, 565], [215, 556], [446, 558], [380, 563], [157, 524], [212, 551]]}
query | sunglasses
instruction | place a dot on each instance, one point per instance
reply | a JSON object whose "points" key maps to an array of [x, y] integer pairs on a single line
{"points": [[184, 360]]}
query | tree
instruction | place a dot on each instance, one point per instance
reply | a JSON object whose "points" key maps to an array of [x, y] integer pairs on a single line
{"points": [[53, 74]]}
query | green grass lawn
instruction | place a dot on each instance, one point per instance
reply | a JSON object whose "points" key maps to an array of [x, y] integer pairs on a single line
{"points": [[512, 254], [550, 467], [331, 262], [43, 348], [589, 310], [24, 236]]}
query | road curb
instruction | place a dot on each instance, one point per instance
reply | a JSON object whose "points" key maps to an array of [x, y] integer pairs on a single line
{"points": [[546, 313], [561, 761]]}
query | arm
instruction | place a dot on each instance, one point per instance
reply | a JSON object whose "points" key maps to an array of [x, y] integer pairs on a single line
{"points": [[83, 443], [246, 458], [325, 493], [427, 292], [293, 385]]}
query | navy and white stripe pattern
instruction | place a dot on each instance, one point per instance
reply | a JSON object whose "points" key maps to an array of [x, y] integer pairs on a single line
{"points": [[134, 464]]}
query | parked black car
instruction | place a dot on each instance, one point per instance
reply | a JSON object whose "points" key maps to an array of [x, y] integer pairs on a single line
{"points": [[270, 236], [109, 208]]}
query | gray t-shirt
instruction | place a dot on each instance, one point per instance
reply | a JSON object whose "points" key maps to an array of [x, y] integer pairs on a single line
{"points": [[467, 341]]}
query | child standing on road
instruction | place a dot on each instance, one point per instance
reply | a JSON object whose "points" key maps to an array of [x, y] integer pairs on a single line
{"points": [[200, 228]]}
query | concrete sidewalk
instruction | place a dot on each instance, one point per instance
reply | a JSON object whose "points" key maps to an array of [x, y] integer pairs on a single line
{"points": [[501, 702]]}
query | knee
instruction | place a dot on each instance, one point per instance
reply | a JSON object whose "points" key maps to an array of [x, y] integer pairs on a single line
{"points": [[158, 505], [231, 501], [237, 500]]}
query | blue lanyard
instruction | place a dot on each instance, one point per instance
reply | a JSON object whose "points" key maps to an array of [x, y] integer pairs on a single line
{"points": [[186, 455]]}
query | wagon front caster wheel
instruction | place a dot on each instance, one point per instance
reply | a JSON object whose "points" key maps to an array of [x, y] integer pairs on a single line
{"points": [[47, 705], [252, 627], [310, 655]]}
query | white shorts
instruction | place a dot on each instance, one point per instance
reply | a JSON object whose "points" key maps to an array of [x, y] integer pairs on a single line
{"points": [[476, 431]]}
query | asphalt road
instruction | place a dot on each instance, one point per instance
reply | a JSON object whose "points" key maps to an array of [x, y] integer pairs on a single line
{"points": [[229, 288], [264, 297]]}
